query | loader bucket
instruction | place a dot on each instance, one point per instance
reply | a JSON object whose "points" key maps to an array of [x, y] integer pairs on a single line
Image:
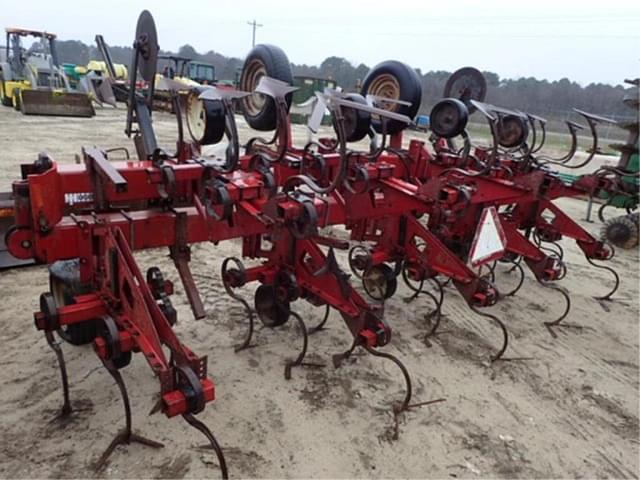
{"points": [[85, 85], [99, 89], [6, 222], [57, 103], [104, 91]]}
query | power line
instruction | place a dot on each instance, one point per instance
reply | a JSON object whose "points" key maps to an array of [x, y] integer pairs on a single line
{"points": [[254, 25], [440, 34], [515, 23], [475, 20]]}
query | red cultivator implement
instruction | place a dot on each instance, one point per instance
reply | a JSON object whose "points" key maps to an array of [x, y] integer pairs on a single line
{"points": [[413, 212]]}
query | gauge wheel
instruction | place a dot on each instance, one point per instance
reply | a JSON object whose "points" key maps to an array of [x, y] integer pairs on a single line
{"points": [[107, 329], [512, 131], [396, 81], [379, 282], [271, 311], [205, 119], [259, 110], [64, 283], [356, 122], [448, 118], [466, 84]]}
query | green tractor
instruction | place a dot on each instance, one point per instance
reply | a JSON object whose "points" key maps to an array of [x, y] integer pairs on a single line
{"points": [[623, 231], [304, 97]]}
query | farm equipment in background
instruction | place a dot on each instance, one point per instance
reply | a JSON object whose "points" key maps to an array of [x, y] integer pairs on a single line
{"points": [[100, 68], [624, 231], [422, 123], [187, 70], [428, 212], [112, 75], [92, 80], [33, 81], [176, 69], [304, 98], [106, 82], [187, 75], [202, 73], [74, 73]]}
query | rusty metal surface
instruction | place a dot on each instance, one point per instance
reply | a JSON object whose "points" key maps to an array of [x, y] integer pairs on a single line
{"points": [[54, 103]]}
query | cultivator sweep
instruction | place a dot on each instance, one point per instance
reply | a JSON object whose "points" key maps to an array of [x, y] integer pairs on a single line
{"points": [[429, 212]]}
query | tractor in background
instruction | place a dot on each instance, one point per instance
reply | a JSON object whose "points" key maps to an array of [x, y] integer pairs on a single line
{"points": [[186, 72], [623, 230], [304, 98], [92, 79], [201, 72], [34, 82]]}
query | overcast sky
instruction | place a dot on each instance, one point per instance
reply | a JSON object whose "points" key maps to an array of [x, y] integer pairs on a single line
{"points": [[587, 41]]}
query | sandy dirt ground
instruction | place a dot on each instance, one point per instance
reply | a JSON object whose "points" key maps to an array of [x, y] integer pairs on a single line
{"points": [[569, 411]]}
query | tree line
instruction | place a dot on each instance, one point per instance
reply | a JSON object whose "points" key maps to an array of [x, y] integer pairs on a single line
{"points": [[551, 99]]}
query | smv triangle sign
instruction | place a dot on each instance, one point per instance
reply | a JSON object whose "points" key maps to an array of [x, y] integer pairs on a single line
{"points": [[489, 241]]}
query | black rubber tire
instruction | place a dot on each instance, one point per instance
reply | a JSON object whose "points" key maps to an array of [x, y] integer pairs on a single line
{"points": [[214, 119], [410, 91], [357, 122], [271, 312], [448, 118], [124, 358], [64, 283], [512, 131], [390, 281], [276, 65]]}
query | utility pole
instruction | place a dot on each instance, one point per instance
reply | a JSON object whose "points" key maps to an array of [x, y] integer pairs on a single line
{"points": [[254, 25]]}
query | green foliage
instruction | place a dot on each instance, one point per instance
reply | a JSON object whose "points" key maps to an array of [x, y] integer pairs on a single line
{"points": [[73, 51]]}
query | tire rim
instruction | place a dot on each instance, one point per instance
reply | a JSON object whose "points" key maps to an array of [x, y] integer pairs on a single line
{"points": [[375, 284], [196, 117], [251, 76], [377, 281], [386, 86]]}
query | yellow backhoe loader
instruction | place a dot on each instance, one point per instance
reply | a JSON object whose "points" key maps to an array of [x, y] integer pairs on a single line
{"points": [[33, 81]]}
